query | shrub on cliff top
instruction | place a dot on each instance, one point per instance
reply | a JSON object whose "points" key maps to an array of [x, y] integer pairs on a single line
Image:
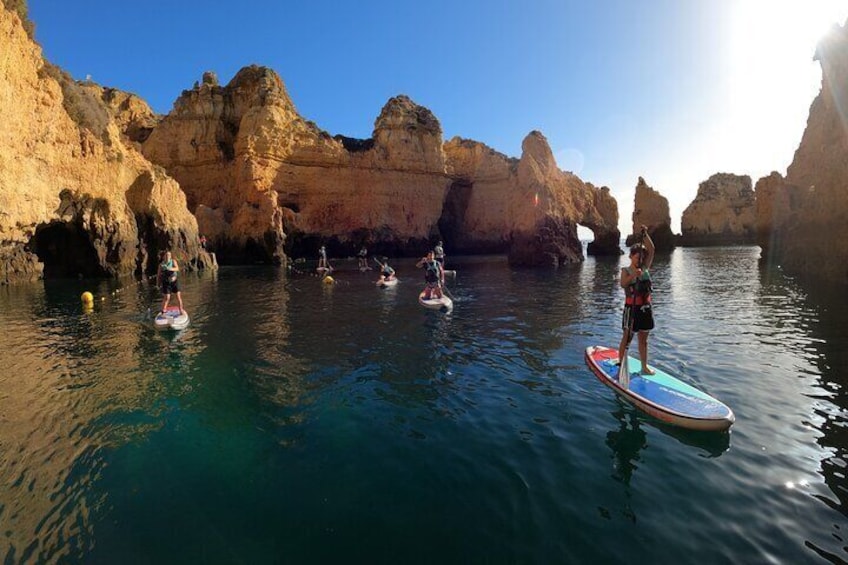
{"points": [[20, 7], [86, 110]]}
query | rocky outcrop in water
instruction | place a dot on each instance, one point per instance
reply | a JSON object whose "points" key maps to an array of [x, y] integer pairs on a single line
{"points": [[527, 206], [722, 212], [263, 181], [545, 234], [651, 209], [801, 219], [75, 197]]}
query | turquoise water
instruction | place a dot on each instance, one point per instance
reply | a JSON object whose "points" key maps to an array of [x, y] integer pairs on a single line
{"points": [[301, 422]]}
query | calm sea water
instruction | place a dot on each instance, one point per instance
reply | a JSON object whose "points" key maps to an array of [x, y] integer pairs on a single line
{"points": [[301, 422]]}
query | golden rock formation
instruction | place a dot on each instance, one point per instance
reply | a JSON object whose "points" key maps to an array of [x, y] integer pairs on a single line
{"points": [[651, 209], [796, 215], [262, 180], [76, 198], [722, 212]]}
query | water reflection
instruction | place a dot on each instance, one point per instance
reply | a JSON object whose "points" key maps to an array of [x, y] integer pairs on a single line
{"points": [[288, 404], [626, 444], [65, 371], [828, 332]]}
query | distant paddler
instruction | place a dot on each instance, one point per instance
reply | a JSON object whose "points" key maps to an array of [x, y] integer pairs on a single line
{"points": [[166, 279], [363, 258], [439, 253], [323, 265], [433, 276], [387, 274]]}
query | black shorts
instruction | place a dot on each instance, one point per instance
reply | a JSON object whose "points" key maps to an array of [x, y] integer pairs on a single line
{"points": [[637, 318], [170, 287]]}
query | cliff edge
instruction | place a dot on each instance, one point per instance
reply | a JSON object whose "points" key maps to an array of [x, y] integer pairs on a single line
{"points": [[800, 218]]}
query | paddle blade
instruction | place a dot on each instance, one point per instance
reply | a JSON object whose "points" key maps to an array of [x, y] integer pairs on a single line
{"points": [[624, 372]]}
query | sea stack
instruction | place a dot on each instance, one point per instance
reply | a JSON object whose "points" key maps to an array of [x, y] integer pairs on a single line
{"points": [[650, 209], [722, 213]]}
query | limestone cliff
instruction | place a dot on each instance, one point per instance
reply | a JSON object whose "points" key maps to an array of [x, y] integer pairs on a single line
{"points": [[496, 202], [263, 181], [75, 198], [551, 203], [651, 209], [801, 219], [722, 212]]}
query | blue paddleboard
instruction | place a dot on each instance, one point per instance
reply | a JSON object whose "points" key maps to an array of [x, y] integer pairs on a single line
{"points": [[660, 395]]}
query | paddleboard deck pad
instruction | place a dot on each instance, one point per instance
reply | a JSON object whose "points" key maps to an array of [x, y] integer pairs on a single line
{"points": [[660, 395], [444, 303], [172, 319]]}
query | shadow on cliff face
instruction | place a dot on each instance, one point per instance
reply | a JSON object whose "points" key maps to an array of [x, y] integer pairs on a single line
{"points": [[247, 252], [452, 224], [66, 250]]}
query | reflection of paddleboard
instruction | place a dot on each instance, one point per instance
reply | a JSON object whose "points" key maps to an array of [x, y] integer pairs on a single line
{"points": [[444, 303], [388, 283], [660, 395], [172, 319]]}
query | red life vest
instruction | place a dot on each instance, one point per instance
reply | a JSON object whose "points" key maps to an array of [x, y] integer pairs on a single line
{"points": [[638, 292]]}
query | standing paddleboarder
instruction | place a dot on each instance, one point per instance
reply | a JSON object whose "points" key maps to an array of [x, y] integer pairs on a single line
{"points": [[439, 253], [638, 316], [166, 278], [323, 264], [433, 276], [363, 259]]}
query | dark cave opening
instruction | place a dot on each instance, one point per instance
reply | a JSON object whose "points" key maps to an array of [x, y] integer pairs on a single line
{"points": [[66, 250], [452, 220]]}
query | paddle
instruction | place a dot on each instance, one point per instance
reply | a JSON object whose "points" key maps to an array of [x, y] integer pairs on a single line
{"points": [[445, 289]]}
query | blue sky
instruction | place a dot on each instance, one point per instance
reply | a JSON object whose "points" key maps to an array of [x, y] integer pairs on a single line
{"points": [[667, 89]]}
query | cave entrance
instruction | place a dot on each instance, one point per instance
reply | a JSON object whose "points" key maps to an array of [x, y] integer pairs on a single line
{"points": [[452, 220], [66, 250]]}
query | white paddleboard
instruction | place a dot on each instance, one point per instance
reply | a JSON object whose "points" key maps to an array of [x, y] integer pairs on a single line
{"points": [[387, 284], [171, 319], [444, 303]]}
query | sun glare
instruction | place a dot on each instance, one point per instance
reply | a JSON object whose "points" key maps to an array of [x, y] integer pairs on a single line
{"points": [[772, 77]]}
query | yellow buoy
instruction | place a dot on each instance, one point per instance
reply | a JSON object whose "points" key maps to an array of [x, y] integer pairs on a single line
{"points": [[329, 280], [87, 298]]}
